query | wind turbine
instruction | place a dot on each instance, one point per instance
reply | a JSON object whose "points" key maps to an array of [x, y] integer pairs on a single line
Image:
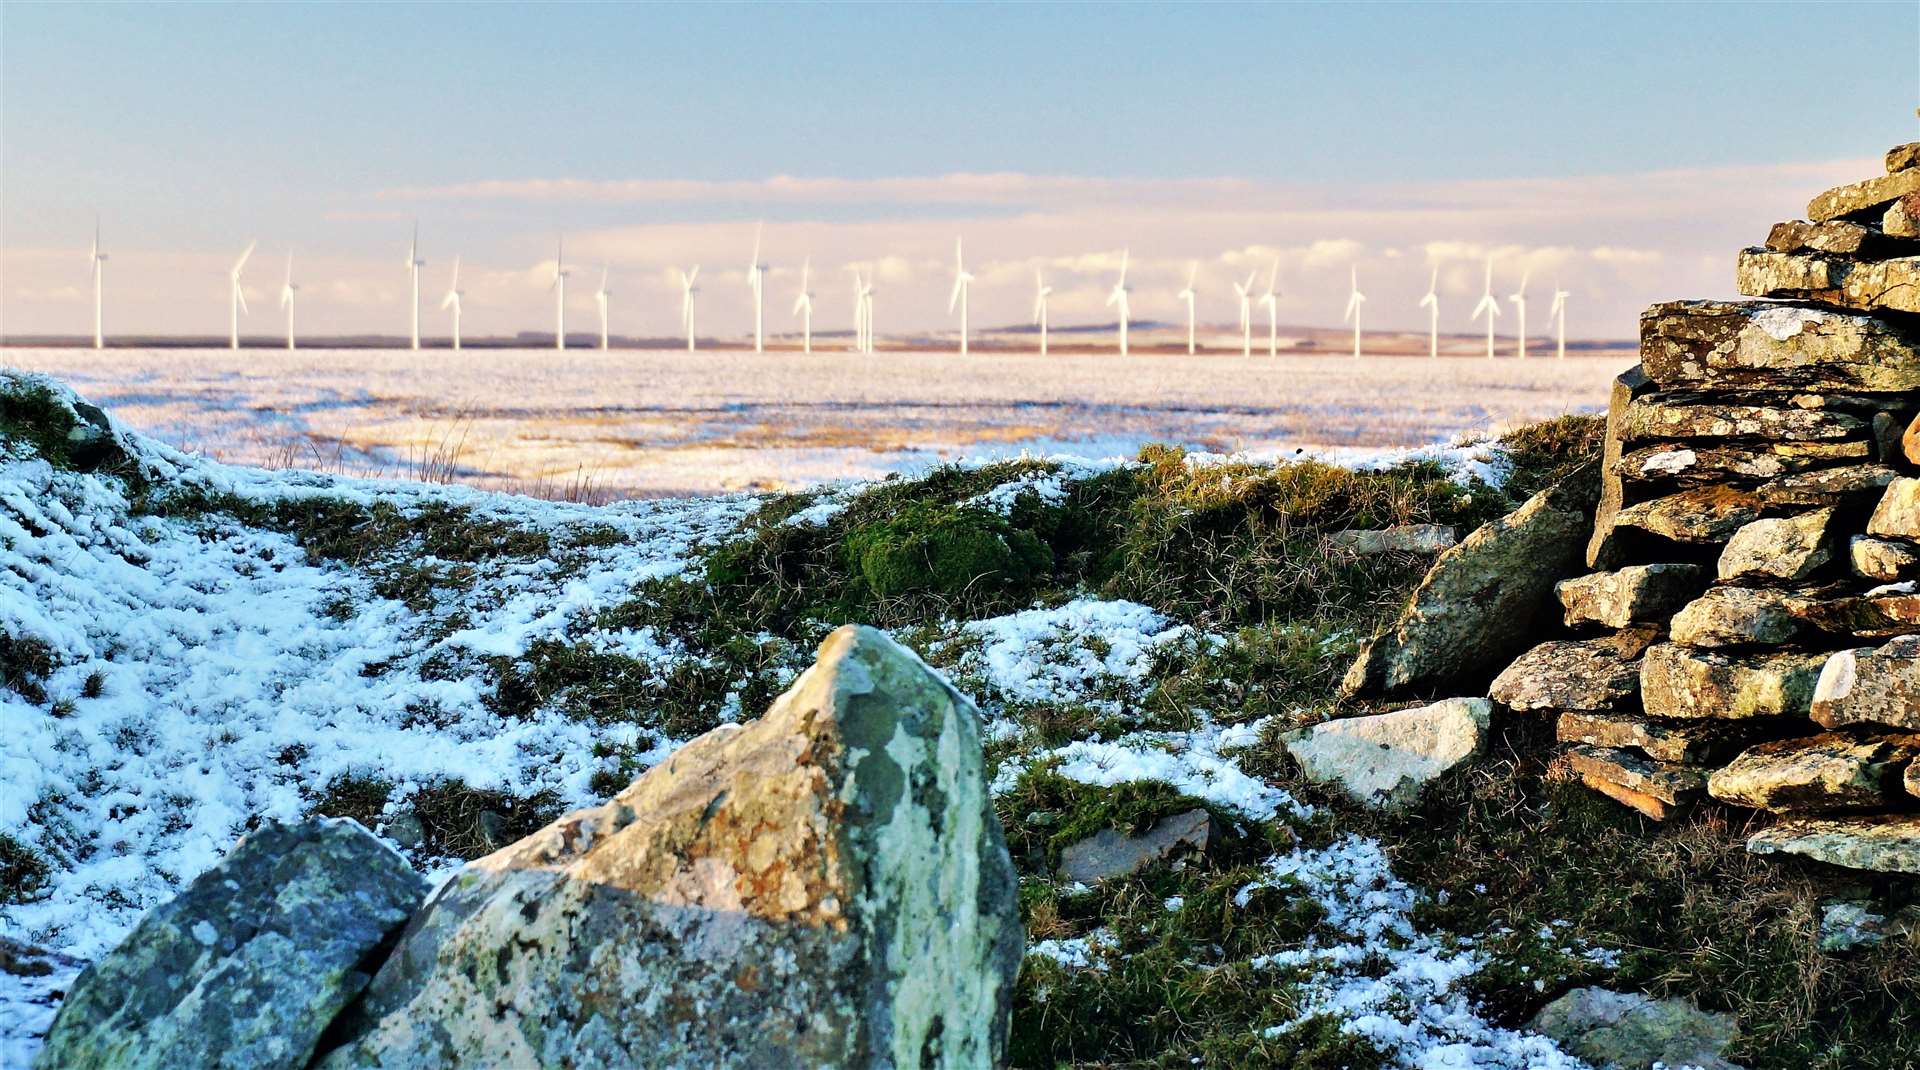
{"points": [[1489, 306], [600, 298], [859, 311], [1354, 300], [414, 264], [452, 300], [1431, 303], [757, 282], [1271, 302], [866, 308], [1558, 310], [803, 304], [1519, 299], [287, 290], [1245, 290], [687, 290], [962, 284], [559, 287], [93, 264], [1041, 291], [236, 301], [1117, 298], [1188, 295]]}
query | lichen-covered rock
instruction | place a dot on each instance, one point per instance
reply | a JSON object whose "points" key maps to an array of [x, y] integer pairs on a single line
{"points": [[1109, 854], [825, 886], [1479, 602], [1401, 539], [1787, 548], [1840, 237], [1739, 616], [1857, 198], [1816, 774], [1700, 463], [1867, 285], [1880, 614], [1678, 681], [1671, 784], [1387, 759], [1902, 220], [1604, 545], [1569, 675], [1903, 157], [1699, 515], [1630, 1031], [1772, 346], [1659, 416], [1631, 595], [1882, 843], [1910, 442], [1846, 485], [1680, 742], [1898, 514], [1884, 560], [245, 968], [1871, 686]]}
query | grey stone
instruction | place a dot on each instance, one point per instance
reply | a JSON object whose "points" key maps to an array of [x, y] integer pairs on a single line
{"points": [[1839, 237], [1664, 417], [1898, 514], [1739, 616], [1677, 742], [824, 886], [1871, 686], [1387, 759], [1846, 924], [1698, 515], [1402, 539], [1816, 774], [1561, 675], [1888, 843], [1700, 463], [1480, 601], [1902, 220], [1669, 783], [1846, 485], [1771, 346], [1630, 1031], [1891, 285], [1110, 854], [249, 964], [1604, 549], [1631, 595], [1678, 681], [1779, 548], [1857, 198], [405, 829], [1883, 560]]}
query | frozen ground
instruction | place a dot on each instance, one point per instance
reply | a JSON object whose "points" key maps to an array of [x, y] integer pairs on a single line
{"points": [[666, 422]]}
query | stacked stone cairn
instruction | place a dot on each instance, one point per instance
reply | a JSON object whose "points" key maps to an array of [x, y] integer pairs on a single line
{"points": [[1751, 627]]}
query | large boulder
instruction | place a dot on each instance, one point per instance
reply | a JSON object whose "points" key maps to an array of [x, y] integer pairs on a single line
{"points": [[247, 967], [825, 886], [1387, 759], [1479, 605], [1630, 1031]]}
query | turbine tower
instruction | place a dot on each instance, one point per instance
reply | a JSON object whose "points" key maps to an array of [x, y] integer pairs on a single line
{"points": [[859, 311], [236, 301], [1354, 300], [1245, 290], [803, 305], [1558, 311], [600, 298], [687, 290], [559, 288], [414, 264], [452, 300], [1271, 302], [757, 282], [962, 283], [1431, 303], [1041, 291], [866, 308], [98, 258], [1117, 299], [1188, 295], [1519, 299], [287, 290], [1489, 306]]}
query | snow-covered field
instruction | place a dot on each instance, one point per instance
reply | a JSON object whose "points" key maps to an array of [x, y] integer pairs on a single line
{"points": [[666, 422]]}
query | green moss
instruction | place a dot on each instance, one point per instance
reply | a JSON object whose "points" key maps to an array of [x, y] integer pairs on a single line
{"points": [[23, 874], [70, 436], [456, 820], [961, 559]]}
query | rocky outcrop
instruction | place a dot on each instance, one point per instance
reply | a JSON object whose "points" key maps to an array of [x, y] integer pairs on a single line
{"points": [[1630, 1031], [1387, 759], [1478, 604], [244, 969], [825, 886]]}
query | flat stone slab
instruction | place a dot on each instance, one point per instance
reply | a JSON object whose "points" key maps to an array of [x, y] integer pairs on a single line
{"points": [[1867, 285], [1829, 772], [1630, 1030], [1898, 514], [1858, 198], [1883, 560], [1658, 417], [1677, 742], [1387, 759], [1883, 844], [1871, 686], [1844, 485], [1671, 784], [1771, 346], [1839, 237], [1787, 549], [1902, 157], [1699, 463], [1679, 681], [1740, 616], [1881, 614], [1402, 539], [1568, 675], [1697, 515], [1109, 854], [1631, 595]]}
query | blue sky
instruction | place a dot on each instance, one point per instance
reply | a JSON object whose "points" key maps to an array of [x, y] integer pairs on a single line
{"points": [[192, 128]]}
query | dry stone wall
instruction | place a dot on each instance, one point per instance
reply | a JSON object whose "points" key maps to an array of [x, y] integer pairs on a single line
{"points": [[1750, 627]]}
